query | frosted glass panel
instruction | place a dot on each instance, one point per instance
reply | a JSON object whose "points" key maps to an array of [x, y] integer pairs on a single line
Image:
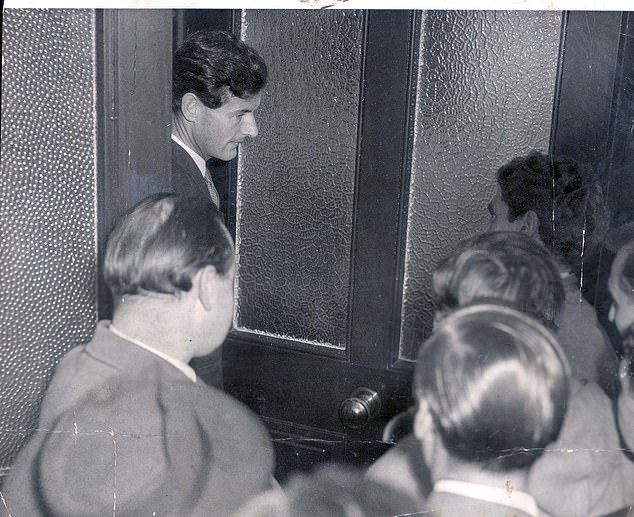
{"points": [[47, 206], [485, 94], [296, 180]]}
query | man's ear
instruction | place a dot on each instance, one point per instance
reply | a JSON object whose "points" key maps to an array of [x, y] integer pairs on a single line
{"points": [[206, 281], [423, 422], [530, 224], [190, 106], [433, 449]]}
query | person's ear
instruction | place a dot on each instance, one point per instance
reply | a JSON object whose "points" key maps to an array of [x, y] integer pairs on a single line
{"points": [[423, 422], [611, 313], [190, 106], [206, 281], [530, 224], [433, 449]]}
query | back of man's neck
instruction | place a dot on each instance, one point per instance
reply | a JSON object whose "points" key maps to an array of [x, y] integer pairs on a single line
{"points": [[156, 324], [182, 136], [472, 473]]}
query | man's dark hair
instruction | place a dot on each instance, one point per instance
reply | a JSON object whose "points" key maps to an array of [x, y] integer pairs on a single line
{"points": [[162, 242], [566, 198], [214, 65], [495, 383], [507, 267]]}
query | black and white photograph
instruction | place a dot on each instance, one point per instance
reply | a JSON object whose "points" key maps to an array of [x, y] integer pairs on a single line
{"points": [[317, 258]]}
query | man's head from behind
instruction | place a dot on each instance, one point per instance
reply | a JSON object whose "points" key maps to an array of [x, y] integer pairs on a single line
{"points": [[162, 242], [554, 200], [216, 85], [492, 384], [169, 264], [508, 267]]}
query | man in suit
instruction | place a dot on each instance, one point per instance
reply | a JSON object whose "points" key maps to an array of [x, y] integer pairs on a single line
{"points": [[216, 87], [126, 427], [217, 82]]}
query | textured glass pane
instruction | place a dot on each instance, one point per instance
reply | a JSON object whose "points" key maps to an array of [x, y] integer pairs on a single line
{"points": [[296, 180], [47, 205], [485, 94]]}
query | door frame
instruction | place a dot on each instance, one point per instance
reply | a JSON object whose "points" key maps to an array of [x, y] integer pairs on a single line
{"points": [[133, 102]]}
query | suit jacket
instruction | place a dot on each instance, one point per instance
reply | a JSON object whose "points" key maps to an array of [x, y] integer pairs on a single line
{"points": [[586, 461], [122, 429], [583, 340], [187, 180]]}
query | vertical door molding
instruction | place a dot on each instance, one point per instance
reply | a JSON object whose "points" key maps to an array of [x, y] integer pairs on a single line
{"points": [[384, 154], [595, 70], [134, 60]]}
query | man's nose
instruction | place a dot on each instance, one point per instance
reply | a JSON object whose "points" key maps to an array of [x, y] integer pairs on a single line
{"points": [[611, 313], [250, 127]]}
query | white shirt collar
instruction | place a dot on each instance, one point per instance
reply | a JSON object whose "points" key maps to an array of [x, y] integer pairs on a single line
{"points": [[176, 363], [513, 498], [198, 160]]}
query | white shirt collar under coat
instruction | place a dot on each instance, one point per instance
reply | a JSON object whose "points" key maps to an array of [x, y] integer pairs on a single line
{"points": [[513, 498], [198, 160], [176, 363]]}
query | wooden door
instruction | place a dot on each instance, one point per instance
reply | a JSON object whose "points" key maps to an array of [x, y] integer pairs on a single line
{"points": [[318, 204]]}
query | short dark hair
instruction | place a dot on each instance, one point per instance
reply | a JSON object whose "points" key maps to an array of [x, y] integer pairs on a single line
{"points": [[214, 65], [162, 242], [496, 385], [566, 198], [506, 267]]}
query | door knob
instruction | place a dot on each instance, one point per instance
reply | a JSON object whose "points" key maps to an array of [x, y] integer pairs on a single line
{"points": [[358, 409]]}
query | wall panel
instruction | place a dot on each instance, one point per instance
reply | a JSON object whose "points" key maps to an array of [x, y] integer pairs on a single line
{"points": [[47, 205]]}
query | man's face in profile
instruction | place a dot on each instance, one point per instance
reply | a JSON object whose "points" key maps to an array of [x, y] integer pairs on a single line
{"points": [[621, 311], [226, 286], [218, 132], [499, 215], [217, 321]]}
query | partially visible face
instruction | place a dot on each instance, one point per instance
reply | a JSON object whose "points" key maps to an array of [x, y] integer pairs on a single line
{"points": [[218, 132], [223, 315], [621, 311], [228, 297], [216, 323], [499, 215]]}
